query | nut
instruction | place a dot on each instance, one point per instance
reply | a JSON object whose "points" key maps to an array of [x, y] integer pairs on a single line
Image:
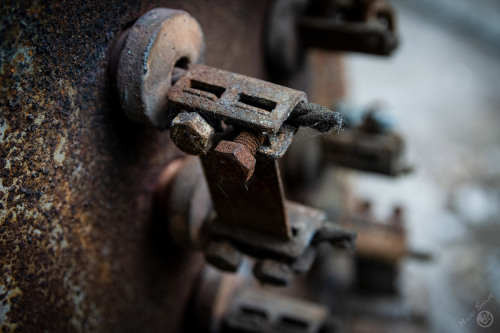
{"points": [[234, 161], [223, 255], [191, 133], [273, 272]]}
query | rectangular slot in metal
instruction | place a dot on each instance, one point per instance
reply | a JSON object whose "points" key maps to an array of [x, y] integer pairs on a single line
{"points": [[209, 88], [253, 312], [289, 321], [259, 103]]}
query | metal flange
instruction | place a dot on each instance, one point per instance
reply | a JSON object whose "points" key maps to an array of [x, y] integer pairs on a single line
{"points": [[158, 41]]}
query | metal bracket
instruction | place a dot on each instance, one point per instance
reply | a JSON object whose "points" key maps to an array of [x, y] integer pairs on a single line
{"points": [[238, 99], [251, 215], [239, 126]]}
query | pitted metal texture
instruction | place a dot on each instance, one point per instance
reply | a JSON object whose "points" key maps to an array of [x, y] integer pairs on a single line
{"points": [[160, 39], [77, 248], [241, 100]]}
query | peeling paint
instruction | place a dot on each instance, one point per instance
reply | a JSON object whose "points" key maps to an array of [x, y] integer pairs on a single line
{"points": [[59, 153]]}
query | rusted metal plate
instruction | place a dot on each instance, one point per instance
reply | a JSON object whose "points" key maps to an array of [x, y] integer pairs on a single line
{"points": [[79, 251], [238, 99]]}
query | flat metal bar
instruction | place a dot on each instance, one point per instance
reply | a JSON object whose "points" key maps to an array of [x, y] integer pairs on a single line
{"points": [[258, 205], [237, 99]]}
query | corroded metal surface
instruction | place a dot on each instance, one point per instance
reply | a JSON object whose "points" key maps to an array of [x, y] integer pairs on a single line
{"points": [[238, 99], [191, 133], [235, 160], [379, 239], [251, 215], [278, 143], [77, 249], [258, 205], [378, 153], [160, 39], [316, 117]]}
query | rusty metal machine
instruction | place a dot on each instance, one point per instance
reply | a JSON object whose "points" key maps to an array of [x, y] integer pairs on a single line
{"points": [[140, 150]]}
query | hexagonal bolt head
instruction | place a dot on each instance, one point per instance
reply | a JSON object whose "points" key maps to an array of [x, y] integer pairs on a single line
{"points": [[273, 272], [191, 133], [223, 255], [234, 161]]}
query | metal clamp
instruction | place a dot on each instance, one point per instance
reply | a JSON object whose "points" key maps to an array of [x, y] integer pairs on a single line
{"points": [[239, 126], [251, 216]]}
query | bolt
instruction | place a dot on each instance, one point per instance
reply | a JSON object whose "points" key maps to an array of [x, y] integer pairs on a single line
{"points": [[191, 133], [273, 272], [223, 255], [235, 160]]}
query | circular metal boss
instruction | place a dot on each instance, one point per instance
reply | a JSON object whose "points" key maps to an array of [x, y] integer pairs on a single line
{"points": [[159, 40]]}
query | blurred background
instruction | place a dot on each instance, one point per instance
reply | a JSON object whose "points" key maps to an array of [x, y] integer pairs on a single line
{"points": [[441, 88]]}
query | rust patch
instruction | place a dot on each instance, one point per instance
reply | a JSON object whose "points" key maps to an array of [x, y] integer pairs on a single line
{"points": [[237, 99], [76, 249], [76, 181]]}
